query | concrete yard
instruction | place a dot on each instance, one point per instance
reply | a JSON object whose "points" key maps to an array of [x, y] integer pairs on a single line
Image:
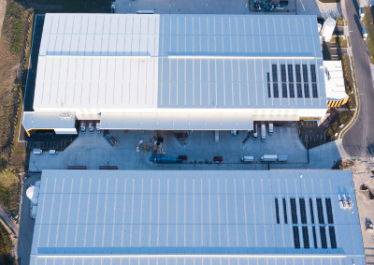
{"points": [[26, 225], [93, 150], [315, 7]]}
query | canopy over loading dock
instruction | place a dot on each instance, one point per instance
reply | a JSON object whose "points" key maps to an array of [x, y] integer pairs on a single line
{"points": [[187, 72]]}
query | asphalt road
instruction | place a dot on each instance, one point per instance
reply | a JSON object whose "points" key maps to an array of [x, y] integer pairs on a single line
{"points": [[359, 140]]}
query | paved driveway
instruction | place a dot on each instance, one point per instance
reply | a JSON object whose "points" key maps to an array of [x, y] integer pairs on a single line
{"points": [[92, 150], [359, 140], [26, 226]]}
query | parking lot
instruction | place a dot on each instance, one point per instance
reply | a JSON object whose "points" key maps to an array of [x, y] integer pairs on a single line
{"points": [[93, 150]]}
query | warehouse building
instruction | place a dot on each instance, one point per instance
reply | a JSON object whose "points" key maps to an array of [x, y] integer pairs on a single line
{"points": [[177, 72], [208, 217]]}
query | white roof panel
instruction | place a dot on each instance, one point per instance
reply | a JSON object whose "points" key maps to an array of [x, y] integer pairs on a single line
{"points": [[180, 217]]}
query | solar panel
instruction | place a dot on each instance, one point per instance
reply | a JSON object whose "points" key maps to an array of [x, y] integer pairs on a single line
{"points": [[284, 90], [313, 72], [330, 218], [269, 88], [299, 91], [293, 210], [332, 237], [323, 236], [292, 90], [283, 73], [285, 210], [315, 91], [305, 237], [290, 73], [314, 237], [320, 211], [311, 210], [298, 73], [302, 210], [275, 90], [277, 210], [306, 90], [296, 238], [274, 73], [305, 73]]}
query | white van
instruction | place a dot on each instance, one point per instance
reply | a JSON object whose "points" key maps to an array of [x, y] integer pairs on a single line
{"points": [[247, 159], [364, 33], [37, 151]]}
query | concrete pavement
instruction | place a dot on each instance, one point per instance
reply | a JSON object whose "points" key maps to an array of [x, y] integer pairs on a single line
{"points": [[359, 140], [26, 229]]}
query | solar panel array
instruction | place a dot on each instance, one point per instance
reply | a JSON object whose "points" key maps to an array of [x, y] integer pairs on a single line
{"points": [[307, 224], [269, 88], [314, 80], [302, 210], [287, 81], [275, 80]]}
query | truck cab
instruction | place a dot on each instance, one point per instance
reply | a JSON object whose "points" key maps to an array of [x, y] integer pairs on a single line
{"points": [[255, 131]]}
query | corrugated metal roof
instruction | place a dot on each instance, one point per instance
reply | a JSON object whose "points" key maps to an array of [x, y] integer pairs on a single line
{"points": [[183, 216], [334, 79], [101, 62], [43, 120]]}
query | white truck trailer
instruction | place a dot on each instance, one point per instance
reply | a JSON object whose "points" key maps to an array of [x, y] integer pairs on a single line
{"points": [[263, 131], [269, 158]]}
